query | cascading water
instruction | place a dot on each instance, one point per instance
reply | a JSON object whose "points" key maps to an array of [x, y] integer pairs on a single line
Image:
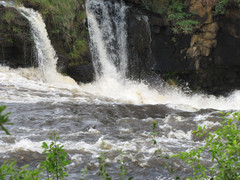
{"points": [[107, 28], [113, 109], [46, 55]]}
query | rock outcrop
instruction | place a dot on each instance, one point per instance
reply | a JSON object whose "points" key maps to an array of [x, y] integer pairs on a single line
{"points": [[206, 60], [16, 44]]}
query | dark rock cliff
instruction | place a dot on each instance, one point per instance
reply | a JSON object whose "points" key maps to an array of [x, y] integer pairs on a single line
{"points": [[16, 44], [206, 60]]}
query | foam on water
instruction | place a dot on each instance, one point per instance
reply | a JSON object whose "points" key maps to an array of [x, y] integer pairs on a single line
{"points": [[23, 85], [140, 93], [23, 81], [139, 150]]}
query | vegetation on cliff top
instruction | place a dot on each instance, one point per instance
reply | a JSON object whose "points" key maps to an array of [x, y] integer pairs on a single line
{"points": [[177, 11]]}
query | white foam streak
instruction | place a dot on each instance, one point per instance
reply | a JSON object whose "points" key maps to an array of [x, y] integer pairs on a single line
{"points": [[124, 92], [200, 101], [21, 84], [139, 93]]}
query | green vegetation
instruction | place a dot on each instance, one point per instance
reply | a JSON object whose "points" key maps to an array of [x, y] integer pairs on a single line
{"points": [[224, 148], [183, 20], [54, 166], [103, 165], [3, 119], [8, 16], [9, 170], [156, 6], [222, 6], [56, 159], [176, 11], [7, 24]]}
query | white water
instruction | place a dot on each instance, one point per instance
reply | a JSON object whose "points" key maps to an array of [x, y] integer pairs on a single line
{"points": [[111, 82], [46, 55], [107, 28]]}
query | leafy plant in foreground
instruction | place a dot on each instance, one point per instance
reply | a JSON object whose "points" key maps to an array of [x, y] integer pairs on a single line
{"points": [[224, 147], [56, 159], [103, 166], [9, 170], [54, 165], [3, 119], [123, 171], [84, 174]]}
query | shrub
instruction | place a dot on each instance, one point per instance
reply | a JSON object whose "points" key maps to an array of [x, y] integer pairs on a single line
{"points": [[9, 170], [224, 147], [54, 166], [56, 159]]}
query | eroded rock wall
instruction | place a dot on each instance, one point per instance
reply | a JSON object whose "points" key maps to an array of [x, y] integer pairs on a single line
{"points": [[16, 44], [207, 59]]}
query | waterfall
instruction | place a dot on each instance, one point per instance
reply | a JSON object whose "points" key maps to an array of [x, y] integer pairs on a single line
{"points": [[44, 51], [107, 28], [46, 55]]}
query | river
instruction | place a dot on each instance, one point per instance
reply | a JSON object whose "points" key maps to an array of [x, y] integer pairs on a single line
{"points": [[111, 114]]}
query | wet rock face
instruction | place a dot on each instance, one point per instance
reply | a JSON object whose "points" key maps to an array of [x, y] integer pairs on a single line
{"points": [[81, 73], [207, 60], [140, 61], [16, 44], [228, 39]]}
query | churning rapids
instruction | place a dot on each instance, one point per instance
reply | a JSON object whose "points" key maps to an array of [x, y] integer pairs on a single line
{"points": [[113, 109]]}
